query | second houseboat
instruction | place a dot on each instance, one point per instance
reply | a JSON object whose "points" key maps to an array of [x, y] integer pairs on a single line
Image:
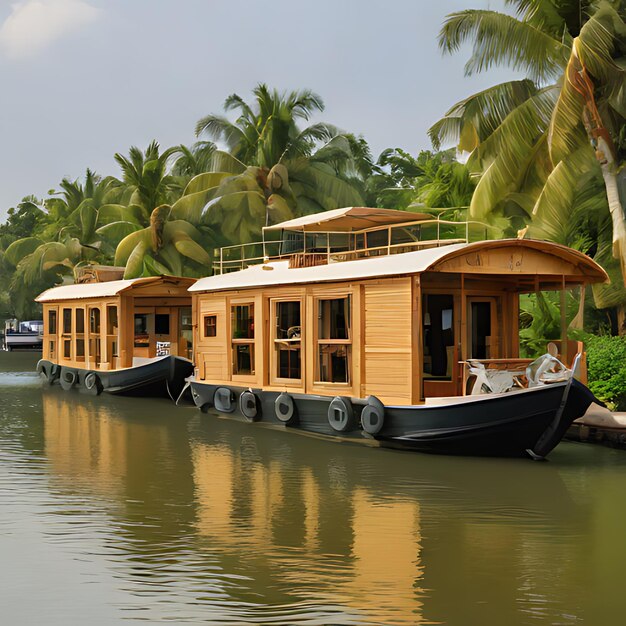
{"points": [[388, 327], [129, 337]]}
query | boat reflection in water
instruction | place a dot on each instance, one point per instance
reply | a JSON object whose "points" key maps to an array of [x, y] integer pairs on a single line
{"points": [[210, 520]]}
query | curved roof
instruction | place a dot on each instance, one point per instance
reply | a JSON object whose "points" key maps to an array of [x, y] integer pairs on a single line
{"points": [[349, 219], [99, 290], [279, 273]]}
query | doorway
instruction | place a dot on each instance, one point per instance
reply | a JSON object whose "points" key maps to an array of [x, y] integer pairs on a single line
{"points": [[483, 341]]}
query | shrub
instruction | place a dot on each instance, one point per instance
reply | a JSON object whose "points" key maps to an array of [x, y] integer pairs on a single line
{"points": [[606, 364]]}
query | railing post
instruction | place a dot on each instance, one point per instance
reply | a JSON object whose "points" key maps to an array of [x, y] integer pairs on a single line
{"points": [[221, 260]]}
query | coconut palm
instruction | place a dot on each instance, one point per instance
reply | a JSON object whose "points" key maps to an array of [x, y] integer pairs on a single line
{"points": [[276, 168], [147, 178], [534, 140]]}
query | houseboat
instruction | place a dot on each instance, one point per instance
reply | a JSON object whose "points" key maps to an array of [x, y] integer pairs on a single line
{"points": [[391, 328], [23, 335], [120, 336]]}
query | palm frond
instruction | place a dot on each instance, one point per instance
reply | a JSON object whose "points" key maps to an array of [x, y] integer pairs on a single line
{"points": [[473, 119], [500, 39]]}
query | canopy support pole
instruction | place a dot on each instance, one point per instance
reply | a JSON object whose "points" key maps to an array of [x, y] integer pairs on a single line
{"points": [[564, 355]]}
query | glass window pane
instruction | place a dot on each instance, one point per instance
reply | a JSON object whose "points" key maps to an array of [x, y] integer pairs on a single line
{"points": [[94, 320], [80, 321], [288, 320], [334, 363], [334, 319], [67, 321], [111, 320], [210, 325], [243, 321], [52, 322], [243, 359], [162, 324]]}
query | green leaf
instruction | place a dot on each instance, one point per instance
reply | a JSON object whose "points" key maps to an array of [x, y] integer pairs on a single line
{"points": [[134, 264], [21, 248], [114, 232], [128, 245], [204, 182]]}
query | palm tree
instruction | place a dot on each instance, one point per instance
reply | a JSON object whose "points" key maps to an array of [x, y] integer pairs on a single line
{"points": [[534, 141], [273, 169], [65, 233], [147, 177]]}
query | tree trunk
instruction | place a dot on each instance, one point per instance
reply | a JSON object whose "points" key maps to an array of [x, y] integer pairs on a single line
{"points": [[607, 164], [621, 320]]}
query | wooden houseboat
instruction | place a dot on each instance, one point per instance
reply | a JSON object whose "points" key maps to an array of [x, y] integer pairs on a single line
{"points": [[120, 336], [370, 324]]}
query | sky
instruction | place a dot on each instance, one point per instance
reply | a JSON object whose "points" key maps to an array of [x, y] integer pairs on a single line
{"points": [[83, 79]]}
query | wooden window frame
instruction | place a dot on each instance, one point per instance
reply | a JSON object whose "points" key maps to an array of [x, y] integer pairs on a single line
{"points": [[317, 342], [237, 341], [273, 361], [66, 337], [205, 327]]}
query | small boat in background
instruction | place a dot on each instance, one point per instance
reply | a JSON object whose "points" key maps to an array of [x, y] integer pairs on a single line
{"points": [[23, 335], [130, 337]]}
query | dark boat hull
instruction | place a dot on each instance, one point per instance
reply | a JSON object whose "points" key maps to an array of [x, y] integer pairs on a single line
{"points": [[164, 377], [522, 423]]}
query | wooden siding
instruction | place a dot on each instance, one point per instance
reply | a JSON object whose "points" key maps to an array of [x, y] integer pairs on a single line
{"points": [[387, 341], [95, 350]]}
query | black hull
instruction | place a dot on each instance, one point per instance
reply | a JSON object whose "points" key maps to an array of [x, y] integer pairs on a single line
{"points": [[164, 377], [523, 423]]}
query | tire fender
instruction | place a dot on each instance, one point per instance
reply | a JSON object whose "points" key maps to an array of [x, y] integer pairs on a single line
{"points": [[340, 414], [285, 409], [248, 405], [373, 416], [68, 378]]}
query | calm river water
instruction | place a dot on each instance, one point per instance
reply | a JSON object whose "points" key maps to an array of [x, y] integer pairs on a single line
{"points": [[117, 509]]}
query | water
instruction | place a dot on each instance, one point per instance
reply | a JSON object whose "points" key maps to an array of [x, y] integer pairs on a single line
{"points": [[116, 510]]}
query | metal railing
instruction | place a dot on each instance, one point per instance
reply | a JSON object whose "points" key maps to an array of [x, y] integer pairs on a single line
{"points": [[239, 256]]}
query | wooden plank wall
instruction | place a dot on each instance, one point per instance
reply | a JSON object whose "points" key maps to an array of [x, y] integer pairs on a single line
{"points": [[387, 341]]}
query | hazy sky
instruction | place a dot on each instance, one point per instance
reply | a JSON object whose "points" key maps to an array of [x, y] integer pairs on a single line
{"points": [[83, 79]]}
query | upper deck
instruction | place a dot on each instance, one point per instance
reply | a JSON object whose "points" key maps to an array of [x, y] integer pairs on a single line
{"points": [[347, 234]]}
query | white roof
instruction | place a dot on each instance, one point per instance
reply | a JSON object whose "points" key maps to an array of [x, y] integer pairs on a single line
{"points": [[349, 219], [281, 274], [89, 290]]}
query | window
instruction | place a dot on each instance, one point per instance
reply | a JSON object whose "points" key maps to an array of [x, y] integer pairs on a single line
{"points": [[288, 340], [94, 321], [142, 338], [242, 325], [162, 324], [52, 322], [210, 325], [185, 332], [67, 348], [80, 333], [67, 321], [80, 321], [333, 340], [111, 320]]}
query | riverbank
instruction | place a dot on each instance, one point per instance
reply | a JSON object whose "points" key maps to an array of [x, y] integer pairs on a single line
{"points": [[600, 426]]}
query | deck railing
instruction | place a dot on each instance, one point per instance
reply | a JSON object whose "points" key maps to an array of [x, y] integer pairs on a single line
{"points": [[444, 232]]}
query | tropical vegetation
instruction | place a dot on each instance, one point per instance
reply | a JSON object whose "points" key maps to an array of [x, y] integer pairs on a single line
{"points": [[548, 150]]}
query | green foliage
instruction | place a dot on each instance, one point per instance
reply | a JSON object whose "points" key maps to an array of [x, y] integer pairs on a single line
{"points": [[539, 143], [606, 365], [434, 180]]}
